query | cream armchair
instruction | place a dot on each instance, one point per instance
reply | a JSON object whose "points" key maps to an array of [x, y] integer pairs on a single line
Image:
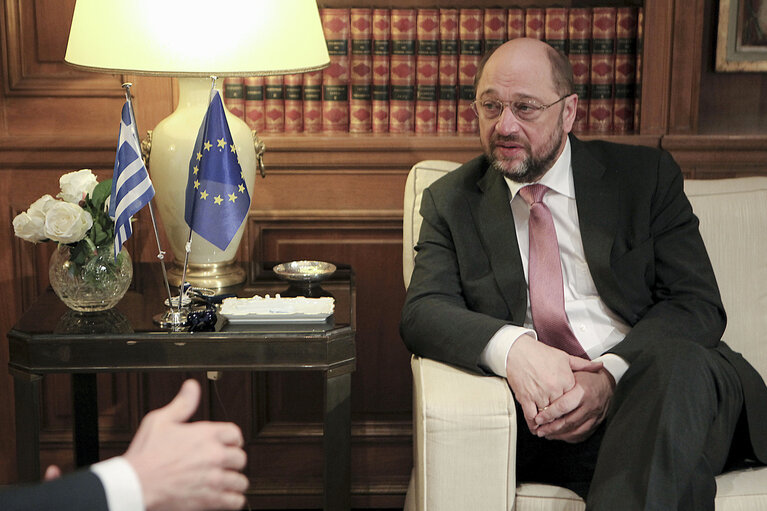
{"points": [[464, 425]]}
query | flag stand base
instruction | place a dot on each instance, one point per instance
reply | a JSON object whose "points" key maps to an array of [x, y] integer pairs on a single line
{"points": [[220, 277]]}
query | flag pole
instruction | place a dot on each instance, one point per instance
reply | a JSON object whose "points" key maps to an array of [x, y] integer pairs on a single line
{"points": [[188, 246], [161, 252]]}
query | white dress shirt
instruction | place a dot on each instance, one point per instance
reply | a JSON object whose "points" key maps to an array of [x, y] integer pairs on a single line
{"points": [[121, 484], [595, 326]]}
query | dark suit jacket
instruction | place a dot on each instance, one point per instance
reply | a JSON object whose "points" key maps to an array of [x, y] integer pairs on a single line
{"points": [[79, 491], [642, 245]]}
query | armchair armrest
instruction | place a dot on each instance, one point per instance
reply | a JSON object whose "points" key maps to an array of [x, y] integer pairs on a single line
{"points": [[465, 439]]}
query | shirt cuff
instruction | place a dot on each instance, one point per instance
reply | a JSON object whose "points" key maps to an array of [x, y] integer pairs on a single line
{"points": [[121, 484], [493, 357], [614, 364]]}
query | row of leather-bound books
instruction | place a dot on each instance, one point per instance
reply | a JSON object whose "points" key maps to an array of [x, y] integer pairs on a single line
{"points": [[412, 70]]}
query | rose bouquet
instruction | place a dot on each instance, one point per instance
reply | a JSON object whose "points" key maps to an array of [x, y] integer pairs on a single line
{"points": [[83, 266], [77, 218]]}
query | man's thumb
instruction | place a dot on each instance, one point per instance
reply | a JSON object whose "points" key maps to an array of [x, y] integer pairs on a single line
{"points": [[581, 364], [185, 403]]}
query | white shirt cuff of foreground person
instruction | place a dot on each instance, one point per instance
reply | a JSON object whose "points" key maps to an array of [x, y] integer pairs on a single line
{"points": [[121, 484], [493, 357]]}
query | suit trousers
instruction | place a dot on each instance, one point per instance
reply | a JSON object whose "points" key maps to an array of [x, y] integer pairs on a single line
{"points": [[667, 434]]}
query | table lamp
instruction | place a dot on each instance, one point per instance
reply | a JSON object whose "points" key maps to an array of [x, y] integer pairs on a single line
{"points": [[194, 40]]}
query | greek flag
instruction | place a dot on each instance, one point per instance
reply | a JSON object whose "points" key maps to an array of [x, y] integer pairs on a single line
{"points": [[131, 187], [217, 199]]}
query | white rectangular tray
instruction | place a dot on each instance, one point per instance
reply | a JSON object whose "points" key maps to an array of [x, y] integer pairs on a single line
{"points": [[277, 318]]}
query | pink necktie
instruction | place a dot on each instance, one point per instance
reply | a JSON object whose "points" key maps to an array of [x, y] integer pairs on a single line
{"points": [[547, 298]]}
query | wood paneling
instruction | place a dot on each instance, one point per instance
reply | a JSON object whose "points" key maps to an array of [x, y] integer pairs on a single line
{"points": [[719, 156], [36, 33], [332, 197], [686, 61], [656, 69], [381, 389]]}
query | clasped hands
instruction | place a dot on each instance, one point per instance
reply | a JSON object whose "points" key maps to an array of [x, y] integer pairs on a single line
{"points": [[562, 397]]}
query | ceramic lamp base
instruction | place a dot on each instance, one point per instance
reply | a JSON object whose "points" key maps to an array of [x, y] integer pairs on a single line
{"points": [[220, 277]]}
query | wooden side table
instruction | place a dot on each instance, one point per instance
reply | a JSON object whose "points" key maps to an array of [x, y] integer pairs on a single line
{"points": [[51, 339]]}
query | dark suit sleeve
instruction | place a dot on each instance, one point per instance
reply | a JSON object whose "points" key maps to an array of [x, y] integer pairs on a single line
{"points": [[79, 491], [436, 321], [680, 299]]}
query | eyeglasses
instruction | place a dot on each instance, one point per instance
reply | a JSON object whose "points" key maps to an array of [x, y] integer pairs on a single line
{"points": [[491, 109]]}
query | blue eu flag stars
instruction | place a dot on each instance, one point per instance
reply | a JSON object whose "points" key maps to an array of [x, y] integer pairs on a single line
{"points": [[217, 200]]}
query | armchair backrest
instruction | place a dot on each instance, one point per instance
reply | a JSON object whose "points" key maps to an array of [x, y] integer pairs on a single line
{"points": [[421, 175], [733, 223]]}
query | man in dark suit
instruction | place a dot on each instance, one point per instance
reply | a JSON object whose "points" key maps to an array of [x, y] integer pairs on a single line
{"points": [[169, 465], [642, 412]]}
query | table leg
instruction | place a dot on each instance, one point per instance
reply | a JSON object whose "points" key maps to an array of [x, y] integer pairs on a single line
{"points": [[27, 400], [86, 419], [337, 442]]}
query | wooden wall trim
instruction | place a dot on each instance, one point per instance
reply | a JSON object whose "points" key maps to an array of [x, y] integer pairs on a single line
{"points": [[718, 156], [63, 153], [324, 216], [686, 65], [656, 65], [27, 74], [349, 151]]}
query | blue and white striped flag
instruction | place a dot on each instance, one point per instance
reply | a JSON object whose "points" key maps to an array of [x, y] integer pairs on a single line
{"points": [[131, 187]]}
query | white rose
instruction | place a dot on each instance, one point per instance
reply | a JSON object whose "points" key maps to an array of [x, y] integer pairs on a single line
{"points": [[76, 185], [41, 206], [29, 227], [67, 223]]}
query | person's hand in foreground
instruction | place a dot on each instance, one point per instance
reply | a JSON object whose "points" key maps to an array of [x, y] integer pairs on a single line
{"points": [[188, 466]]}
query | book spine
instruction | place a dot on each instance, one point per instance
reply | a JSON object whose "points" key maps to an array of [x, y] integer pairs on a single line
{"points": [[381, 67], [448, 70], [579, 46], [274, 104], [402, 72], [625, 69], [361, 72], [515, 23], [638, 72], [555, 31], [535, 23], [234, 96], [469, 55], [255, 115], [602, 69], [313, 102], [494, 27], [294, 103], [335, 78], [427, 70]]}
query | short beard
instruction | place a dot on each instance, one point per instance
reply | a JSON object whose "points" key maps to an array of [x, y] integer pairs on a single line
{"points": [[532, 168]]}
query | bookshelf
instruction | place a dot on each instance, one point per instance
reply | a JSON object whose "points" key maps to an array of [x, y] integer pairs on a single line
{"points": [[711, 122], [422, 62]]}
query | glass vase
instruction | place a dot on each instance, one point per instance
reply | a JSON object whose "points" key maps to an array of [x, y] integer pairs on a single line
{"points": [[97, 284]]}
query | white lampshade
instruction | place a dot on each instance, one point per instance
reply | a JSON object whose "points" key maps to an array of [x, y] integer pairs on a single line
{"points": [[193, 39], [197, 37]]}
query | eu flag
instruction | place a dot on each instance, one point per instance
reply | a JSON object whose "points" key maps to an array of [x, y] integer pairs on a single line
{"points": [[217, 200]]}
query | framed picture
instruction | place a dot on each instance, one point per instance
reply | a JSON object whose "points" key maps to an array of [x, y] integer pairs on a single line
{"points": [[741, 43]]}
